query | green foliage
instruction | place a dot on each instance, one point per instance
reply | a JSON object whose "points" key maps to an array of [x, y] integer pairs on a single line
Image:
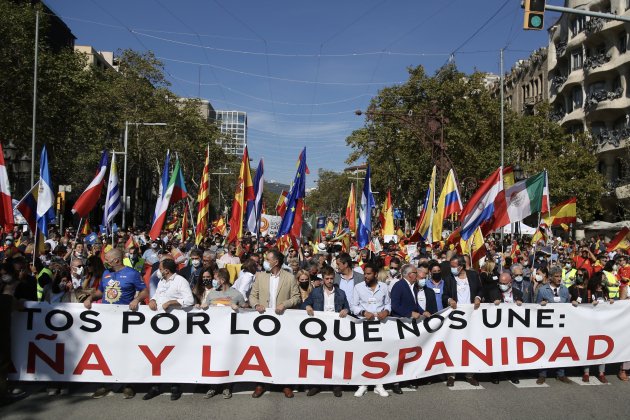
{"points": [[397, 141], [331, 193], [82, 110]]}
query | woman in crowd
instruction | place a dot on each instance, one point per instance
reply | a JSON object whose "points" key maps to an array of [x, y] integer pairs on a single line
{"points": [[245, 279], [541, 277], [579, 290], [303, 279], [489, 276], [203, 287], [94, 269]]}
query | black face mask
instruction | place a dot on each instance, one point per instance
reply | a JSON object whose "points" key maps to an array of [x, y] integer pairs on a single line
{"points": [[206, 282], [304, 284], [436, 276]]}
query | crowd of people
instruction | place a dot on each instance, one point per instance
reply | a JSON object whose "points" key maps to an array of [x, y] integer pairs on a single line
{"points": [[170, 274]]}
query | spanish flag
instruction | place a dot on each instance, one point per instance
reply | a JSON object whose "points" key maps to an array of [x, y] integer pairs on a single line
{"points": [[620, 241], [218, 226], [244, 192], [86, 229], [387, 216], [351, 211], [565, 212]]}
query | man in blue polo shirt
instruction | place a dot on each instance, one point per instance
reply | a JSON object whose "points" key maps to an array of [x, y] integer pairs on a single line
{"points": [[120, 285]]}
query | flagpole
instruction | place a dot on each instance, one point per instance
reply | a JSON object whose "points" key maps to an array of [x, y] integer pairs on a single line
{"points": [[76, 237], [35, 243]]}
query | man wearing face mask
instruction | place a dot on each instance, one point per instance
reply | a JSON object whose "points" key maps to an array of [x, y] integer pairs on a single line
{"points": [[77, 271], [120, 285], [275, 289], [173, 292], [553, 292], [522, 284], [461, 286], [151, 254], [133, 260], [229, 257], [193, 269], [394, 272]]}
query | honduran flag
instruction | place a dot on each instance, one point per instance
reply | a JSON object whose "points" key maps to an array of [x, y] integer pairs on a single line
{"points": [[87, 201], [45, 195], [480, 207]]}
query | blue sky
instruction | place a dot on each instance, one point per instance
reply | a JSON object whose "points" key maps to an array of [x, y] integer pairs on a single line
{"points": [[300, 68]]}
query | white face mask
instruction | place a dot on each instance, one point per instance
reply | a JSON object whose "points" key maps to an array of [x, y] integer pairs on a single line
{"points": [[158, 274], [518, 279], [195, 263], [79, 271], [539, 277], [504, 287], [422, 283], [266, 266]]}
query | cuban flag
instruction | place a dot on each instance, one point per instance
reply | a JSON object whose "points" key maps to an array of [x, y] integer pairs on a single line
{"points": [[87, 201], [480, 207], [254, 207], [112, 198], [45, 196], [365, 212]]}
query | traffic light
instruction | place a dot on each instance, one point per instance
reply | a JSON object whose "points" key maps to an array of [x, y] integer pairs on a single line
{"points": [[534, 14]]}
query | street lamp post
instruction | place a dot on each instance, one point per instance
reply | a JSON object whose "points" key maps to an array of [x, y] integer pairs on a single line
{"points": [[126, 138]]}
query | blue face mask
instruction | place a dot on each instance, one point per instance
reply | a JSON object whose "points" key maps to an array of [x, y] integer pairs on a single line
{"points": [[454, 271], [266, 266], [215, 283], [422, 283]]}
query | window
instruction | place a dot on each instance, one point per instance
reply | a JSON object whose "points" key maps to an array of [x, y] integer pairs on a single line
{"points": [[576, 94], [596, 87], [617, 83], [622, 42], [577, 60], [577, 25]]}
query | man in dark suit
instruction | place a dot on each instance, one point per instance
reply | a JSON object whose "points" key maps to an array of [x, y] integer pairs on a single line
{"points": [[346, 277], [426, 296], [461, 286], [404, 295], [503, 292], [328, 298]]}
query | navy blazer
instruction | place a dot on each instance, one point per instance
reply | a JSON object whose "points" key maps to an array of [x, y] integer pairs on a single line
{"points": [[450, 287], [316, 300], [404, 301]]}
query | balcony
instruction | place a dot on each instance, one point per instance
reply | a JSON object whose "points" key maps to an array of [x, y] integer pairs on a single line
{"points": [[594, 25], [557, 115], [561, 48], [612, 137], [557, 82], [593, 98], [595, 61]]}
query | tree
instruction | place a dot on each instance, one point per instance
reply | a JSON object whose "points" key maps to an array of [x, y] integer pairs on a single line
{"points": [[331, 193]]}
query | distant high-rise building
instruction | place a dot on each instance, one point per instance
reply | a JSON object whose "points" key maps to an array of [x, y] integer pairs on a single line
{"points": [[233, 123]]}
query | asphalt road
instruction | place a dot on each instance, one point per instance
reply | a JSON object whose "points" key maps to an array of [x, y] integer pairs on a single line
{"points": [[433, 401]]}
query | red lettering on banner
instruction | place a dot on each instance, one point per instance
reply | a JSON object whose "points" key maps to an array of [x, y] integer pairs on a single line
{"points": [[439, 350], [520, 356], [367, 361], [591, 347], [468, 348], [347, 365], [327, 363], [12, 368], [84, 363], [571, 352], [156, 361], [403, 359], [504, 351], [34, 352], [206, 370], [253, 351]]}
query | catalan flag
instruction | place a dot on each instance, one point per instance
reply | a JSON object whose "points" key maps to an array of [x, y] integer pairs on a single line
{"points": [[203, 198], [185, 223], [244, 192]]}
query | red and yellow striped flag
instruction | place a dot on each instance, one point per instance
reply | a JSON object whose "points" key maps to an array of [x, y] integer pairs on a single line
{"points": [[351, 211], [86, 229], [565, 212], [244, 192], [203, 198], [218, 226]]}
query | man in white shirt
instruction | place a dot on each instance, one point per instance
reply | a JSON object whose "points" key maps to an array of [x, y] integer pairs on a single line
{"points": [[370, 300], [229, 257], [173, 292]]}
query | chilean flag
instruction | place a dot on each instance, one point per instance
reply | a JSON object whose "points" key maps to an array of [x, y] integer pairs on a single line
{"points": [[480, 207], [87, 201], [6, 205]]}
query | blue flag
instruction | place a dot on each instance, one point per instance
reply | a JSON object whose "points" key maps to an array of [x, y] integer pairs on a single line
{"points": [[45, 196], [298, 192], [254, 207], [91, 238], [365, 212]]}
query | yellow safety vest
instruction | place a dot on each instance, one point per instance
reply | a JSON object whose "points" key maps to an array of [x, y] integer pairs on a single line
{"points": [[613, 285], [568, 277], [40, 289], [139, 264]]}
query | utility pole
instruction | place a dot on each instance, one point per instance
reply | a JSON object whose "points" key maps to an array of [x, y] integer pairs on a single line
{"points": [[34, 97], [502, 122]]}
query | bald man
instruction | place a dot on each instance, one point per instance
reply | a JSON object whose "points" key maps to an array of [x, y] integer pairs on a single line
{"points": [[120, 285]]}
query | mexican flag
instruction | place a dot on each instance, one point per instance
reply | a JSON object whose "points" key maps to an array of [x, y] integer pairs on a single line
{"points": [[520, 200]]}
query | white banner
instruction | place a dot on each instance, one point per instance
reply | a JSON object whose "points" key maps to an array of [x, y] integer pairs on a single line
{"points": [[269, 224], [109, 343]]}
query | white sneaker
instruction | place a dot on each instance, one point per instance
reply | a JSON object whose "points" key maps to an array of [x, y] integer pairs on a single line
{"points": [[361, 391], [380, 390]]}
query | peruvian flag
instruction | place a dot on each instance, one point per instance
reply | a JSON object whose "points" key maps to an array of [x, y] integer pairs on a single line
{"points": [[87, 201], [6, 207]]}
